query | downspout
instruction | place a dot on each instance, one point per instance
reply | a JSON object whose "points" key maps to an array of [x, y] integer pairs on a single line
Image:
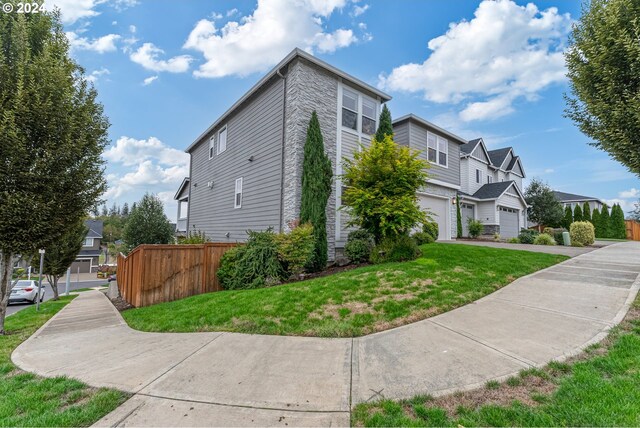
{"points": [[284, 130]]}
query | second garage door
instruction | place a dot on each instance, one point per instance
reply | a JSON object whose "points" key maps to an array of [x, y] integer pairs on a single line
{"points": [[508, 223], [438, 207], [466, 212]]}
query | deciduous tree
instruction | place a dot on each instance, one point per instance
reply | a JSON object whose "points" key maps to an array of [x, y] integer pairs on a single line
{"points": [[147, 224], [544, 208], [61, 253]]}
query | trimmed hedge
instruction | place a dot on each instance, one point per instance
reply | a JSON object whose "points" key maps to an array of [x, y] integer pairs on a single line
{"points": [[582, 233], [544, 239]]}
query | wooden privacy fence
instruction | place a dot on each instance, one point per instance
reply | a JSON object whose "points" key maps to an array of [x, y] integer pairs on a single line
{"points": [[153, 274], [633, 230]]}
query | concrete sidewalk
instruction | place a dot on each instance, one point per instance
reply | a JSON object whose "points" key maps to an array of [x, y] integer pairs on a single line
{"points": [[230, 379]]}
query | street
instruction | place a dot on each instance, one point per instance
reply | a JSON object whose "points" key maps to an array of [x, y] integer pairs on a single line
{"points": [[75, 285]]}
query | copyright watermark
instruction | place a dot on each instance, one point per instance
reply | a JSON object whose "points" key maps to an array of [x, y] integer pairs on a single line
{"points": [[21, 7]]}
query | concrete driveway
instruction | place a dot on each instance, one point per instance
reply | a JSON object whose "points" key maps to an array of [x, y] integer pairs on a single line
{"points": [[549, 249], [231, 379]]}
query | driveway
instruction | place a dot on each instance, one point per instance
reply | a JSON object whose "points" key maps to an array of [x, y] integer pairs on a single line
{"points": [[549, 249], [215, 379]]}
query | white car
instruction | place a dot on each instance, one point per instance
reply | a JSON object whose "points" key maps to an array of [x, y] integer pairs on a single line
{"points": [[25, 291]]}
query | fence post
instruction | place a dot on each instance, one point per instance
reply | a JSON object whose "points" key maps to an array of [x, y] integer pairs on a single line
{"points": [[205, 264]]}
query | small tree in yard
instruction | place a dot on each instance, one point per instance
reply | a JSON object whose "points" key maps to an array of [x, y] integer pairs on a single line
{"points": [[544, 207], [586, 212], [61, 253], [381, 184], [52, 134], [577, 213], [604, 222], [458, 218], [317, 173], [618, 226], [147, 224], [568, 217], [595, 220], [385, 126]]}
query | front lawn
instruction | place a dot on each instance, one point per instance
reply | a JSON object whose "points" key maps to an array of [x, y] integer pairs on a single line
{"points": [[601, 387], [30, 400], [352, 303]]}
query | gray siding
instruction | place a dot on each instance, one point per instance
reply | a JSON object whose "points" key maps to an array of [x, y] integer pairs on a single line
{"points": [[478, 153], [184, 193], [401, 133], [255, 130], [418, 140]]}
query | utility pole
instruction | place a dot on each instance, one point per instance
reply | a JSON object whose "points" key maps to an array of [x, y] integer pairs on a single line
{"points": [[41, 251]]}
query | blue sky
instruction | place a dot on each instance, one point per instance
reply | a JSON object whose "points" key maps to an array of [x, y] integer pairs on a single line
{"points": [[165, 70]]}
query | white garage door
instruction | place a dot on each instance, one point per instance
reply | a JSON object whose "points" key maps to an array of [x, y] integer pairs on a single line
{"points": [[439, 209], [508, 223], [466, 212]]}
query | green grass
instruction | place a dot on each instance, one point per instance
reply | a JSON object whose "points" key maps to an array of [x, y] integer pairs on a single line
{"points": [[352, 303], [79, 290], [600, 388], [30, 400]]}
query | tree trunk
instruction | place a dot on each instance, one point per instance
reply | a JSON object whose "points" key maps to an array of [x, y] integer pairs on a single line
{"points": [[54, 287], [6, 271]]}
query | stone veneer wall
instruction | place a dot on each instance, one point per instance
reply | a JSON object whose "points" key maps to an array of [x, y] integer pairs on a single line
{"points": [[308, 88]]}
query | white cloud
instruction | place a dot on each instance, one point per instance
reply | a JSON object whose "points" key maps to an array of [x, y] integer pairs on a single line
{"points": [[625, 204], [149, 80], [121, 5], [129, 151], [132, 29], [631, 193], [359, 10], [549, 171], [232, 12], [100, 45], [147, 56], [506, 52], [73, 10], [93, 77], [258, 41]]}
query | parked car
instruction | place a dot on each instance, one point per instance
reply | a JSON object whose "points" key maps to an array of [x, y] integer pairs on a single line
{"points": [[26, 291], [111, 278]]}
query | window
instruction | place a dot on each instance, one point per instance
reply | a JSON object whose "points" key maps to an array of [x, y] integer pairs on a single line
{"points": [[88, 242], [237, 203], [212, 143], [442, 151], [349, 109], [222, 140], [184, 209], [489, 179], [368, 117], [477, 176], [432, 147]]}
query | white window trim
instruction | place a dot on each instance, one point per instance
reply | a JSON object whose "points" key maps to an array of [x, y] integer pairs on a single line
{"points": [[226, 139], [84, 244], [236, 192], [489, 179], [357, 112], [478, 175], [182, 215], [438, 151], [360, 98], [212, 144]]}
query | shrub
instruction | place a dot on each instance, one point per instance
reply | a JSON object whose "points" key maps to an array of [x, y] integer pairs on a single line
{"points": [[422, 238], [398, 248], [559, 238], [544, 239], [358, 246], [513, 241], [431, 228], [197, 237], [296, 248], [496, 237], [527, 236], [475, 228], [226, 270], [548, 230], [582, 233]]}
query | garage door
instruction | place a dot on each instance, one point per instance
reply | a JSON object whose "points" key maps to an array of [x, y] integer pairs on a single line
{"points": [[466, 210], [508, 223], [439, 211]]}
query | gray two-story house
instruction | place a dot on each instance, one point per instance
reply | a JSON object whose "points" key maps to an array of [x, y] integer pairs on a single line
{"points": [[88, 258]]}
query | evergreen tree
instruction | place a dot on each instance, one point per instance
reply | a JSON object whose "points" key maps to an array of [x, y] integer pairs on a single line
{"points": [[577, 213], [568, 217], [618, 226], [147, 224], [586, 212], [458, 218], [113, 211], [544, 208], [317, 173], [595, 220], [52, 134], [604, 222], [385, 126], [61, 253], [133, 207], [105, 212], [125, 209]]}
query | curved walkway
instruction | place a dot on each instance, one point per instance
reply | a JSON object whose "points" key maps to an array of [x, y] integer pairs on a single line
{"points": [[231, 379]]}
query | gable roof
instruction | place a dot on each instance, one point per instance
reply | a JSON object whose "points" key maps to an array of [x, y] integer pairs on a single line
{"points": [[413, 118], [296, 53], [570, 197], [95, 228], [498, 156], [470, 146], [515, 161], [492, 190], [185, 182]]}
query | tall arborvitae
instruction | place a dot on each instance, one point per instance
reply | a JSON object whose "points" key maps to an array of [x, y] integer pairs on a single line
{"points": [[604, 222], [458, 218], [577, 213], [568, 217], [317, 173], [586, 212], [385, 127], [618, 226], [595, 220]]}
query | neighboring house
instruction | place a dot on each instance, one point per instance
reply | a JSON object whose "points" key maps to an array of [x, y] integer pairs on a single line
{"points": [[569, 199], [246, 168], [441, 149], [491, 189], [88, 258], [182, 196]]}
